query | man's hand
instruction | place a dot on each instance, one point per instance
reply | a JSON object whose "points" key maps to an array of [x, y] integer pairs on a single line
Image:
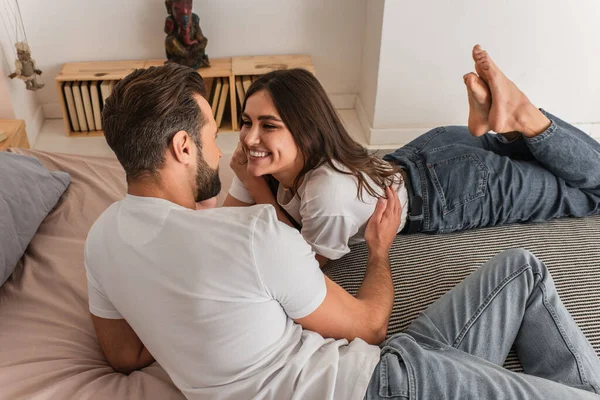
{"points": [[365, 316], [383, 224]]}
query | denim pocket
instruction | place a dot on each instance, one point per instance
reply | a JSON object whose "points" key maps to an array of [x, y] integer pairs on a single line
{"points": [[458, 180], [394, 382]]}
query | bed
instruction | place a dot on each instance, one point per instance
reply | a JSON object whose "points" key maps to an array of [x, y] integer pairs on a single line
{"points": [[48, 348]]}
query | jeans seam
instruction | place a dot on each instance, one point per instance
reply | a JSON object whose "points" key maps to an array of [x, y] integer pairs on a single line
{"points": [[441, 148], [563, 334], [424, 194], [439, 131], [485, 304], [436, 328], [383, 378]]}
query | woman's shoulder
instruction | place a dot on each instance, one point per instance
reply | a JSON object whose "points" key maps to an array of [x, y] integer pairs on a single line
{"points": [[328, 191], [330, 179]]}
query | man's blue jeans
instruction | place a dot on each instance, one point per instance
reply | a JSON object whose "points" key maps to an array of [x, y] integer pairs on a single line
{"points": [[456, 348], [468, 182]]}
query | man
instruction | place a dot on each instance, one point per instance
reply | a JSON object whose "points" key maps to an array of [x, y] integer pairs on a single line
{"points": [[233, 304]]}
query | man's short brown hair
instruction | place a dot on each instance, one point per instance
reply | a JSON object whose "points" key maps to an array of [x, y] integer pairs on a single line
{"points": [[144, 112]]}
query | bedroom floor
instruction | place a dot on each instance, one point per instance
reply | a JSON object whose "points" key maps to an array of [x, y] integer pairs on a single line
{"points": [[52, 138]]}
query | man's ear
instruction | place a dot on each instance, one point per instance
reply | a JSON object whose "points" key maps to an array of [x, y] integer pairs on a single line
{"points": [[181, 147]]}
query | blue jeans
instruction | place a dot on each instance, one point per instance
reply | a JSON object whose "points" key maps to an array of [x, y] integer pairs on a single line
{"points": [[469, 182], [456, 348]]}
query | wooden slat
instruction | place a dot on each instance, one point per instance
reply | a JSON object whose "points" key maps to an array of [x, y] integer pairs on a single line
{"points": [[63, 107], [219, 67], [233, 103], [257, 65], [93, 71]]}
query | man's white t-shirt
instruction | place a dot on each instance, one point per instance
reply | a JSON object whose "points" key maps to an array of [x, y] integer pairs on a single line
{"points": [[328, 208], [211, 295]]}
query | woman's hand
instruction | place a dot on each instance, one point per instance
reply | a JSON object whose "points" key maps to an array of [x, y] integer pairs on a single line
{"points": [[239, 164]]}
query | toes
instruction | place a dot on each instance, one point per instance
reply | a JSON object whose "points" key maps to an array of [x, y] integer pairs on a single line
{"points": [[478, 132], [485, 65], [480, 56], [469, 78]]}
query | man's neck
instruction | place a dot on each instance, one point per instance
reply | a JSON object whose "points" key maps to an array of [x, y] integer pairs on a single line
{"points": [[161, 191]]}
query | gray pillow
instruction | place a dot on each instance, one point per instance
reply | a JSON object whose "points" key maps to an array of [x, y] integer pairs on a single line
{"points": [[28, 192]]}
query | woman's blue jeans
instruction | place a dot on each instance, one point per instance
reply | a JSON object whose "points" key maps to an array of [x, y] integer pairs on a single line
{"points": [[469, 182]]}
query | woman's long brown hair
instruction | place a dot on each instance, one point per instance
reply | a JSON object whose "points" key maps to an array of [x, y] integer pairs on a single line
{"points": [[318, 132]]}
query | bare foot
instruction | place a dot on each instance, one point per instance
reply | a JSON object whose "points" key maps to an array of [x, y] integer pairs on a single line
{"points": [[480, 101], [510, 111]]}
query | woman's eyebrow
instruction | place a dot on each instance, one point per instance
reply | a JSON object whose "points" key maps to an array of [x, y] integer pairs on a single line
{"points": [[269, 117], [263, 117]]}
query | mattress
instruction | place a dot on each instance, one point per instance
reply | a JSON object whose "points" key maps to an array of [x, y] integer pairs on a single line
{"points": [[48, 346]]}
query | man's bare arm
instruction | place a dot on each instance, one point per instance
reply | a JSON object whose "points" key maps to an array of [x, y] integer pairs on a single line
{"points": [[122, 347], [321, 259], [365, 316]]}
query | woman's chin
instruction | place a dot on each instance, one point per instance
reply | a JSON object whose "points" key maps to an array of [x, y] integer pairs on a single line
{"points": [[256, 172]]}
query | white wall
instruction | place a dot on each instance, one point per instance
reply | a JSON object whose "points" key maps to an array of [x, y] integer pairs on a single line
{"points": [[370, 58], [408, 76], [331, 31], [549, 48], [6, 107]]}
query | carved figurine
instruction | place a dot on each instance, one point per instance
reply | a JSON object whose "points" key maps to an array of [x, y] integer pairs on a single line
{"points": [[25, 67], [185, 44]]}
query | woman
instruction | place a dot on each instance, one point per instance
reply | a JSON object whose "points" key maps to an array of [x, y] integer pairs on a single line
{"points": [[538, 168]]}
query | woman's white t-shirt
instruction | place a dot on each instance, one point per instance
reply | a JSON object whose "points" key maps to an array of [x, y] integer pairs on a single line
{"points": [[328, 209]]}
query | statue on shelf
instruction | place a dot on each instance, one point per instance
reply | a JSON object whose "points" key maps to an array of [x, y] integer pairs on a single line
{"points": [[185, 43], [25, 68]]}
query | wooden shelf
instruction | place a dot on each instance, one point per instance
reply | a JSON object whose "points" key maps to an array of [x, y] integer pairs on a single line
{"points": [[258, 65], [98, 71], [226, 68], [219, 67]]}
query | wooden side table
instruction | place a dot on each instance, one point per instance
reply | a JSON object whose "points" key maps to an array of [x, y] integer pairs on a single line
{"points": [[14, 129]]}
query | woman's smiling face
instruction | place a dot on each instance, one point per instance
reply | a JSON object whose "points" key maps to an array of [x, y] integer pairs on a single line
{"points": [[269, 145]]}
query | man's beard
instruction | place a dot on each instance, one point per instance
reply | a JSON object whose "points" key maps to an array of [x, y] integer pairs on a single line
{"points": [[208, 183]]}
